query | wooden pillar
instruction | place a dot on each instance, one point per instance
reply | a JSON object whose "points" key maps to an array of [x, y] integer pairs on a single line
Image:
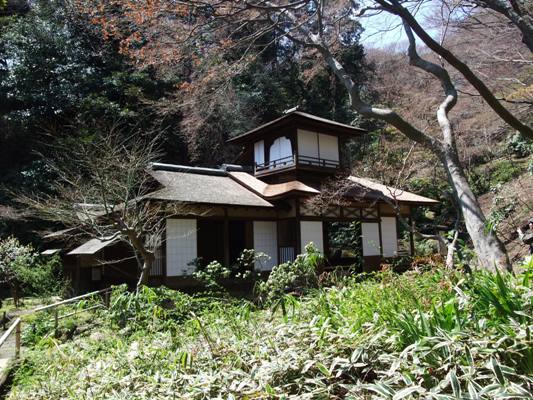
{"points": [[298, 249], [17, 339], [379, 230], [226, 238], [325, 239], [77, 275], [164, 253], [411, 236], [56, 322]]}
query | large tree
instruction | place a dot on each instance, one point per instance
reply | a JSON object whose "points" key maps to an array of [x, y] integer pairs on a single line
{"points": [[99, 192]]}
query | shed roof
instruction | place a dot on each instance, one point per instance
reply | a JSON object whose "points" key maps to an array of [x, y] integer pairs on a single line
{"points": [[199, 187], [50, 252], [369, 189], [271, 190], [92, 246], [298, 117]]}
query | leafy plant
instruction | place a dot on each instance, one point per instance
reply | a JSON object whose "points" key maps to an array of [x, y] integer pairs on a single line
{"points": [[214, 275], [26, 273], [297, 276], [518, 146], [437, 334]]}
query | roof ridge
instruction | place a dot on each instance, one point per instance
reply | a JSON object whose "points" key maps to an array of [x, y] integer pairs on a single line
{"points": [[187, 169]]}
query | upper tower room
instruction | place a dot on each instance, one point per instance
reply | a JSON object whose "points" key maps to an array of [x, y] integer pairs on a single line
{"points": [[295, 146]]}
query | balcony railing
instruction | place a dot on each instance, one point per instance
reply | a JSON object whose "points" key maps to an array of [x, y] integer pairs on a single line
{"points": [[294, 159], [318, 162], [275, 164]]}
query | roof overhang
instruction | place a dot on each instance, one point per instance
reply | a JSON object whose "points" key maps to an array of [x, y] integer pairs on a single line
{"points": [[92, 246], [50, 252], [368, 189], [302, 120]]}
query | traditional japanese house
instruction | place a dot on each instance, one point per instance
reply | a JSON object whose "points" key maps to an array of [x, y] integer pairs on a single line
{"points": [[263, 203]]}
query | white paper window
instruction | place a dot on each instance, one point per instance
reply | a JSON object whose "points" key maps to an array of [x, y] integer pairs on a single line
{"points": [[307, 143], [281, 149], [370, 233], [259, 152], [311, 231], [328, 147], [266, 241], [389, 236], [181, 246]]}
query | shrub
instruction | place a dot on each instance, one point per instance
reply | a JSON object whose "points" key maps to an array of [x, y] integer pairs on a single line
{"points": [[503, 172], [27, 273], [296, 276], [152, 309], [518, 146], [214, 275]]}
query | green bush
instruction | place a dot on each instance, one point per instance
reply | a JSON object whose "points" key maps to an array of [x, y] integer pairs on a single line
{"points": [[297, 276], [483, 180], [504, 171], [152, 309], [518, 146], [214, 275], [27, 273]]}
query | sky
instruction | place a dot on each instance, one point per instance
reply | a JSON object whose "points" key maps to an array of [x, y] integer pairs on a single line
{"points": [[385, 30]]}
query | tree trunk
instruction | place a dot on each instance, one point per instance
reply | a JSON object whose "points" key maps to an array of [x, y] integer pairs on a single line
{"points": [[138, 244], [517, 12], [148, 259], [490, 251]]}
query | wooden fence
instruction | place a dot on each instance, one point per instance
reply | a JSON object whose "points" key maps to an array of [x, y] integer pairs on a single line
{"points": [[16, 325]]}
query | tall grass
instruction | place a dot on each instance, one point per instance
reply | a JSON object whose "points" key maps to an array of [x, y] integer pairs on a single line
{"points": [[436, 335]]}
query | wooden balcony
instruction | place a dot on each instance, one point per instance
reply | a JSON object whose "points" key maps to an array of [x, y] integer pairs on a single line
{"points": [[293, 161]]}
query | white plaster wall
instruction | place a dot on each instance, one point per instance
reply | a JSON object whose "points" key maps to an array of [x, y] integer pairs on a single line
{"points": [[307, 143], [328, 147], [389, 236], [370, 233], [266, 241], [259, 152], [311, 231], [181, 246]]}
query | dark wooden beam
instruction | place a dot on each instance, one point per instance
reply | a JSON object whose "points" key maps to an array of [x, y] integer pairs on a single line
{"points": [[226, 238]]}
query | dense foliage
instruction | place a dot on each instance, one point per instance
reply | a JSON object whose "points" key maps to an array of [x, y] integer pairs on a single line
{"points": [[26, 273], [438, 335], [297, 276]]}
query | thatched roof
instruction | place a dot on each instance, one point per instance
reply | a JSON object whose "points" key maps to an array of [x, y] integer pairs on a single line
{"points": [[205, 186], [233, 187], [367, 189]]}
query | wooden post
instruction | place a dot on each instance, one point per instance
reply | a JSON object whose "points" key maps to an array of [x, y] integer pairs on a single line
{"points": [[107, 296], [411, 236], [378, 206], [226, 239], [17, 340], [56, 322], [4, 320]]}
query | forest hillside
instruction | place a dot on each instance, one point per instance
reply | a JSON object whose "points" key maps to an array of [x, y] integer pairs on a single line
{"points": [[69, 74]]}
